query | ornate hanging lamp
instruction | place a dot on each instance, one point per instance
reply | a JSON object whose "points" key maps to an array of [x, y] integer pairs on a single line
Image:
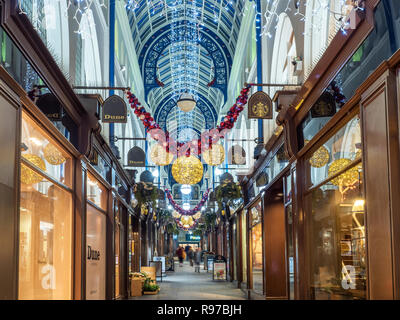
{"points": [[186, 102]]}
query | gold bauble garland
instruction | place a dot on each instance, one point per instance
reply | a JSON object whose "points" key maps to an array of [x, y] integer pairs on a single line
{"points": [[187, 170], [160, 156], [215, 155], [28, 176], [53, 155], [320, 157], [346, 178]]}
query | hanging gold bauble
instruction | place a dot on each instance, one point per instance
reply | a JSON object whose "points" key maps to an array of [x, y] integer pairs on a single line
{"points": [[176, 214], [320, 157], [187, 170], [197, 215], [348, 177], [187, 220], [28, 176], [214, 156], [53, 155], [160, 156]]}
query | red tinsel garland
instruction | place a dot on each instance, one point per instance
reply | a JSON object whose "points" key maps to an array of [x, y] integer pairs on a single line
{"points": [[190, 212], [195, 147]]}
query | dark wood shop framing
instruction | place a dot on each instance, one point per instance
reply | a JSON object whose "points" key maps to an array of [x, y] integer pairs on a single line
{"points": [[86, 141]]}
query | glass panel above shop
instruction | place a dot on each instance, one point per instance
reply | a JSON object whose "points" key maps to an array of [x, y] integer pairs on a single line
{"points": [[335, 154], [379, 46], [19, 68], [96, 192], [44, 153]]}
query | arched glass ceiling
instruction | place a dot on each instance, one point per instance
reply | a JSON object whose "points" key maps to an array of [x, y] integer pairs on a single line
{"points": [[207, 30]]}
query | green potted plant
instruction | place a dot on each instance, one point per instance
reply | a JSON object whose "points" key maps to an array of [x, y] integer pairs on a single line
{"points": [[149, 287]]}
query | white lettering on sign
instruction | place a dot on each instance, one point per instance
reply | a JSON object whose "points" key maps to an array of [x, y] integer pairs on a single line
{"points": [[349, 277], [49, 280]]}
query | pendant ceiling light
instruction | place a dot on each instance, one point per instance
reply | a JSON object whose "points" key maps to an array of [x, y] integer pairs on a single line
{"points": [[186, 102]]}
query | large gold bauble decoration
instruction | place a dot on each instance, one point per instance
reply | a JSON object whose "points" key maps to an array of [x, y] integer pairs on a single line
{"points": [[187, 170], [320, 157], [53, 155], [348, 177], [160, 156], [215, 155], [28, 176]]}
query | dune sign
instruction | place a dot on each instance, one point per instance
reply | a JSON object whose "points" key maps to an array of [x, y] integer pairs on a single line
{"points": [[114, 110]]}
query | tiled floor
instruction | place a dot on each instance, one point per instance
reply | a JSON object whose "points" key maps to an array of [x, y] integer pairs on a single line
{"points": [[185, 284]]}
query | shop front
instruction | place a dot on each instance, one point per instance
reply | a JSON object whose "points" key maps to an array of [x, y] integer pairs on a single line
{"points": [[46, 236], [342, 137]]}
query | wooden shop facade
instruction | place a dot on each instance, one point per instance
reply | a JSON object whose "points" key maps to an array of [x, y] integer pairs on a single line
{"points": [[321, 218]]}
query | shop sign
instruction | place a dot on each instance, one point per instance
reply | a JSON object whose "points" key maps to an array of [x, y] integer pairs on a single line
{"points": [[260, 106], [210, 262], [324, 107], [136, 157], [114, 110], [236, 155], [219, 268], [50, 106], [190, 237], [93, 254], [262, 179], [162, 259]]}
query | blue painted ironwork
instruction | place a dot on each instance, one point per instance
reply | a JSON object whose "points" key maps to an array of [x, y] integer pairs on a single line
{"points": [[112, 59], [160, 40], [259, 63]]}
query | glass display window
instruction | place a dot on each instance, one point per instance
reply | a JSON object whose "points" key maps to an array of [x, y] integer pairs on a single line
{"points": [[244, 246], [337, 220], [256, 245], [96, 193], [339, 151], [44, 153], [45, 219], [117, 247], [95, 253]]}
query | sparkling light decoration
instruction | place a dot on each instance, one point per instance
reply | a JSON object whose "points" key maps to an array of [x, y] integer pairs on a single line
{"points": [[187, 170], [159, 156], [214, 156], [348, 177], [53, 155], [29, 176]]}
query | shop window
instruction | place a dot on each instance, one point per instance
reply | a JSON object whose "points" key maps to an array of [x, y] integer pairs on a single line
{"points": [[117, 245], [95, 253], [335, 206], [40, 150], [96, 192], [45, 247], [244, 246], [338, 152], [256, 248], [338, 253]]}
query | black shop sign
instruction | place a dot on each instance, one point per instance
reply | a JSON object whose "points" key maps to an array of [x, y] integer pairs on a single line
{"points": [[136, 157], [114, 110]]}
